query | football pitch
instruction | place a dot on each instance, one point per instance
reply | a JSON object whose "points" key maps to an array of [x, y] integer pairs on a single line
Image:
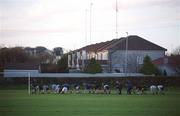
{"points": [[19, 103]]}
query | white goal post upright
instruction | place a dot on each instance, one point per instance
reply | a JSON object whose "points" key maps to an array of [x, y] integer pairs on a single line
{"points": [[29, 79], [29, 83]]}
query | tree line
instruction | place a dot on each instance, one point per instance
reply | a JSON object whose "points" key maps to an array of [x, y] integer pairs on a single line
{"points": [[19, 55]]}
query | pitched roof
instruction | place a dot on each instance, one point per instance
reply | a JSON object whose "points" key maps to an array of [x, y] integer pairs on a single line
{"points": [[170, 60], [137, 43], [21, 66], [160, 61], [134, 43], [98, 46]]}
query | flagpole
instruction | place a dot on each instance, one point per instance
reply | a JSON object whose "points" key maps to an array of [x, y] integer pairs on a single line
{"points": [[90, 22], [86, 11], [116, 19]]}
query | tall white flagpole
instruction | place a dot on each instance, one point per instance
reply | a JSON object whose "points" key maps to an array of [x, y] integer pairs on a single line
{"points": [[86, 11], [90, 22], [116, 19]]}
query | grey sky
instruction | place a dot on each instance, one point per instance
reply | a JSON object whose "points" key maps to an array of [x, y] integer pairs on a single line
{"points": [[53, 23]]}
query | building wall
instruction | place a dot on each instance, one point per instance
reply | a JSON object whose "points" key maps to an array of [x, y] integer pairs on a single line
{"points": [[20, 73], [134, 61], [169, 70], [103, 55]]}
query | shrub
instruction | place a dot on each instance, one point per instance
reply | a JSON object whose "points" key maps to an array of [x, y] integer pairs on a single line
{"points": [[93, 67], [149, 68]]}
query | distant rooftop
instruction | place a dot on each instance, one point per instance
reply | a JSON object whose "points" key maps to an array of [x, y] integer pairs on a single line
{"points": [[134, 43]]}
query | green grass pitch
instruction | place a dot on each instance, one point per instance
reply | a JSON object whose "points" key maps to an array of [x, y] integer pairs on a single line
{"points": [[19, 103]]}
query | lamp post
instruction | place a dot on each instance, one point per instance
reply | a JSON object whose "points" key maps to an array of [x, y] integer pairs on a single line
{"points": [[126, 54]]}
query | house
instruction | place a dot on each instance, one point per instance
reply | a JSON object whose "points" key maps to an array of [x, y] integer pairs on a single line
{"points": [[47, 56], [169, 65], [118, 54], [36, 51], [58, 52]]}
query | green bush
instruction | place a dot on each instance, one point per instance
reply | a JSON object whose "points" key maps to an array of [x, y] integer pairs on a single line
{"points": [[63, 64], [93, 67], [149, 68]]}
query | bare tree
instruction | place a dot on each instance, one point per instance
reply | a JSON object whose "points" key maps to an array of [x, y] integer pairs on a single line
{"points": [[176, 51]]}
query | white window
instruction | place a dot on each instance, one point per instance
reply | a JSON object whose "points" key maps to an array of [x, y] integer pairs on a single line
{"points": [[105, 56], [139, 60]]}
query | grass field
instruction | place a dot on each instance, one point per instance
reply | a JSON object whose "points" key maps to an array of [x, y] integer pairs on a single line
{"points": [[19, 103]]}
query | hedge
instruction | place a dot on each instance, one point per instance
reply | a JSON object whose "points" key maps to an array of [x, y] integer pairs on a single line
{"points": [[146, 81]]}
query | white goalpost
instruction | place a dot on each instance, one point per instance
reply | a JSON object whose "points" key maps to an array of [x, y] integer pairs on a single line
{"points": [[26, 73], [29, 83]]}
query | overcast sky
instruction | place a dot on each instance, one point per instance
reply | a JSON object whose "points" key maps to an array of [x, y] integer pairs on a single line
{"points": [[53, 23]]}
